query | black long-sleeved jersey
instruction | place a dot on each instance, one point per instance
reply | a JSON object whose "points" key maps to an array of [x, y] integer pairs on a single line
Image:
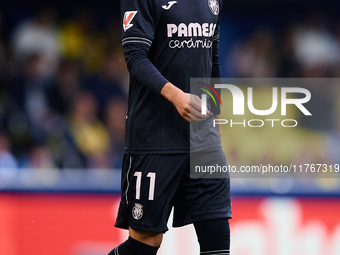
{"points": [[168, 41]]}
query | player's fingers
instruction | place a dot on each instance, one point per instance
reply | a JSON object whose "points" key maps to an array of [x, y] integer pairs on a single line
{"points": [[196, 103], [200, 102], [187, 118], [197, 99], [191, 118], [197, 114], [186, 115]]}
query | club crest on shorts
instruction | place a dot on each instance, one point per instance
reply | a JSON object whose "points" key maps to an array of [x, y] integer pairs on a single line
{"points": [[137, 211], [214, 6]]}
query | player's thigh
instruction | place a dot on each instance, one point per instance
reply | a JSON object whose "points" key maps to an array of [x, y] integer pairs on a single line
{"points": [[149, 187], [201, 199]]}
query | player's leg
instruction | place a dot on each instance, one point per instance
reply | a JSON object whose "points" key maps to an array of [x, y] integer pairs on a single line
{"points": [[139, 243], [149, 238], [213, 236], [149, 183], [206, 203]]}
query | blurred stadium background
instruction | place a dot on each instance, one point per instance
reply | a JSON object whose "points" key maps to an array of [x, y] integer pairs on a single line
{"points": [[63, 101]]}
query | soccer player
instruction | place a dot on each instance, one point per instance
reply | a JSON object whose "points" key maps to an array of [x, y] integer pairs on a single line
{"points": [[165, 44]]}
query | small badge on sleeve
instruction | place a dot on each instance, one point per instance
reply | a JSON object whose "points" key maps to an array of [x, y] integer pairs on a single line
{"points": [[128, 17]]}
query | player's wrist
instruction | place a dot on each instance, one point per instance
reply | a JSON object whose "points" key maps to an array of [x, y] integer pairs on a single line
{"points": [[170, 92]]}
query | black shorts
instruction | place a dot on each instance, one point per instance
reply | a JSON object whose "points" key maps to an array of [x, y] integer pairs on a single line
{"points": [[153, 184]]}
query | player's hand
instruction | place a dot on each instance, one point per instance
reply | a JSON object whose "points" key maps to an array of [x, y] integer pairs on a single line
{"points": [[187, 105]]}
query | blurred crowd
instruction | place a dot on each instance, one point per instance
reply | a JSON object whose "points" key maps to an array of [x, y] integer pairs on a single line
{"points": [[303, 47], [308, 47], [63, 95]]}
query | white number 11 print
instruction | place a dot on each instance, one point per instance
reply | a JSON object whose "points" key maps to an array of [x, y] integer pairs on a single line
{"points": [[152, 177]]}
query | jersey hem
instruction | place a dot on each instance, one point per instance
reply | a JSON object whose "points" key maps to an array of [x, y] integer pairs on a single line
{"points": [[170, 150]]}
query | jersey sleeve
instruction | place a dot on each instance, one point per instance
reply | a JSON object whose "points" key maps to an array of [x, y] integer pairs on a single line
{"points": [[216, 67], [137, 37]]}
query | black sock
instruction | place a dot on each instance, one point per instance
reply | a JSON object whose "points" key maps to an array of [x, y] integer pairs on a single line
{"points": [[213, 236], [134, 247]]}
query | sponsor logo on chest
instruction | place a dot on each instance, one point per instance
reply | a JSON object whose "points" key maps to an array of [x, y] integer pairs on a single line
{"points": [[191, 30], [193, 34]]}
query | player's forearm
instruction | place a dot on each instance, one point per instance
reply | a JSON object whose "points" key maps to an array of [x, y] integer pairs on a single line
{"points": [[187, 105], [171, 92], [178, 98], [140, 66]]}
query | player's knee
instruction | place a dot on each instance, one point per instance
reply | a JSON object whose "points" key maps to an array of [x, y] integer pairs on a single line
{"points": [[149, 238], [134, 247]]}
